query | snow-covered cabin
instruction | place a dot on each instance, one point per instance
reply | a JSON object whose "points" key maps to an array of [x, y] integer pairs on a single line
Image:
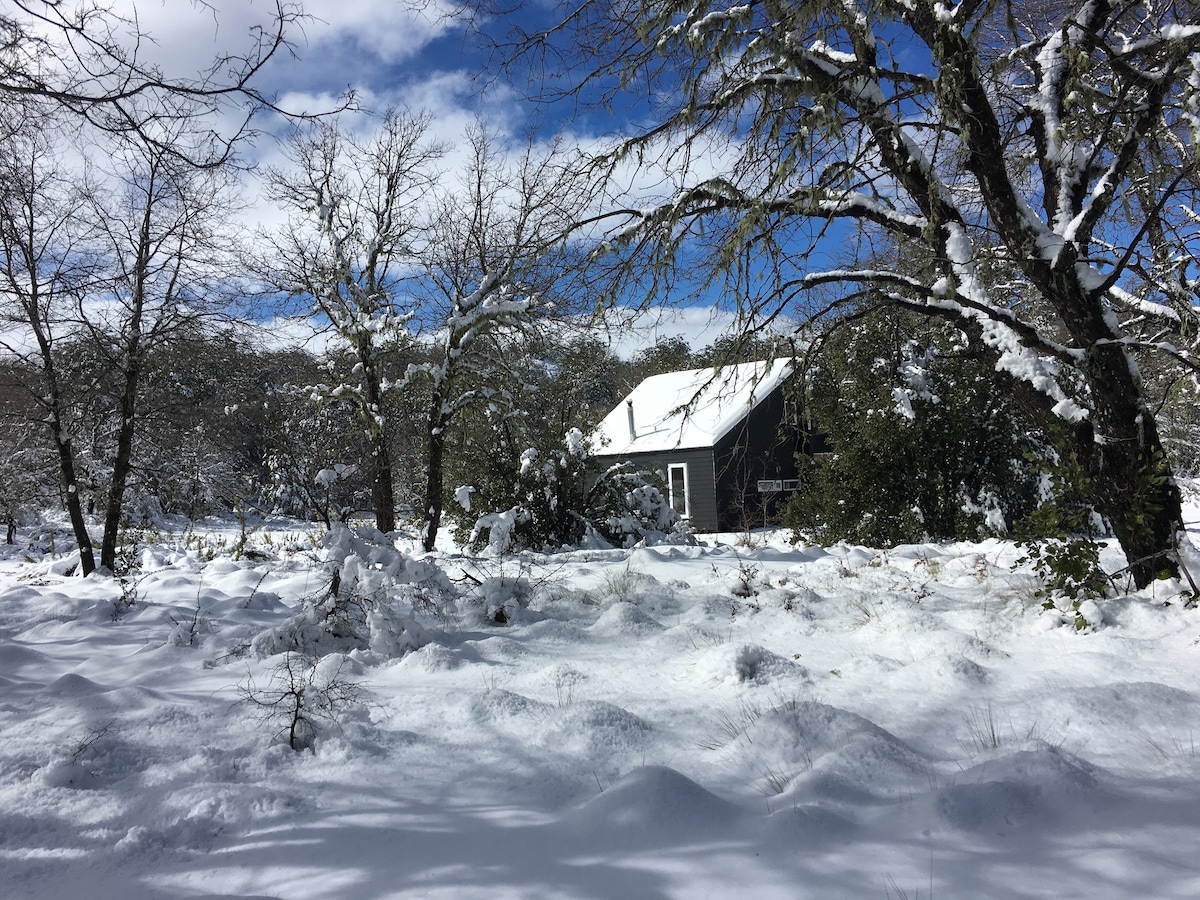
{"points": [[718, 436]]}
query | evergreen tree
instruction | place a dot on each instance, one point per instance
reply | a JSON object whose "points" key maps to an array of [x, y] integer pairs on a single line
{"points": [[923, 444]]}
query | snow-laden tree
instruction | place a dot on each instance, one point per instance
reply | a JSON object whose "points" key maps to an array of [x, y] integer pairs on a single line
{"points": [[924, 446], [308, 442], [567, 497], [492, 268], [357, 221], [566, 381], [1049, 143]]}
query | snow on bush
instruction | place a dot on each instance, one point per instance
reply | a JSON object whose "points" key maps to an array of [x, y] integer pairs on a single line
{"points": [[373, 595], [563, 500], [503, 595], [302, 696]]}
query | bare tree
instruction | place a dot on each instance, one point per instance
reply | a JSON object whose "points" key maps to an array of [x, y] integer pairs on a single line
{"points": [[164, 230], [1051, 144], [45, 268], [388, 252], [117, 261], [357, 213], [496, 254], [87, 69], [93, 62]]}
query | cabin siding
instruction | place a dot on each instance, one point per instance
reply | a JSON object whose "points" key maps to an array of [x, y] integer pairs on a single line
{"points": [[760, 447], [702, 491]]}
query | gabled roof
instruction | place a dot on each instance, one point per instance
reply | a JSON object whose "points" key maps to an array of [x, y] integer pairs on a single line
{"points": [[687, 410]]}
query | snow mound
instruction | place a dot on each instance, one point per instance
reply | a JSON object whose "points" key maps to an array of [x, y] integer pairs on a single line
{"points": [[432, 658], [1024, 787], [498, 648], [595, 729], [73, 685], [629, 584], [242, 582], [944, 669], [813, 753], [624, 618], [803, 732], [869, 769], [798, 826], [746, 664], [101, 762], [561, 677], [654, 804], [1125, 722], [16, 657], [501, 706]]}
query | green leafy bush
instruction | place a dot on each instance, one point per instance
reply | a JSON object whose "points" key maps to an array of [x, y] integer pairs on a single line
{"points": [[1058, 539], [923, 446]]}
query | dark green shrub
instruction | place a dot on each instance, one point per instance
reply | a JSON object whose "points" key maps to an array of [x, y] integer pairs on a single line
{"points": [[922, 444]]}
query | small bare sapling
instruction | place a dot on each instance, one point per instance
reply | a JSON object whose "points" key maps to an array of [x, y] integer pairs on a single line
{"points": [[302, 695]]}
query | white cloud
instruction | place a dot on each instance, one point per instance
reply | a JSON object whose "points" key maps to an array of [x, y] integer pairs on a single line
{"points": [[186, 37], [392, 31], [629, 332]]}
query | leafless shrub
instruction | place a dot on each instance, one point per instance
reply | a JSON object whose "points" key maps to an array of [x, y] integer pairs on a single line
{"points": [[303, 694]]}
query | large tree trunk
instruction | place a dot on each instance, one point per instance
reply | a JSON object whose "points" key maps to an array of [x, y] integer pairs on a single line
{"points": [[383, 496], [1129, 469], [1121, 452]]}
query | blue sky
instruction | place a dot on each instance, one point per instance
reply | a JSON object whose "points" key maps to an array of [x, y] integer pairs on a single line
{"points": [[383, 50], [388, 54]]}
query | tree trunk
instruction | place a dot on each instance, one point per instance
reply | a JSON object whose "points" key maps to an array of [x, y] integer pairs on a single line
{"points": [[1130, 472], [122, 462], [66, 467], [383, 496], [66, 455], [436, 473], [1121, 452]]}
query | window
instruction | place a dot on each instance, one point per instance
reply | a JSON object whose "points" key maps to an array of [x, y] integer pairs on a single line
{"points": [[677, 487]]}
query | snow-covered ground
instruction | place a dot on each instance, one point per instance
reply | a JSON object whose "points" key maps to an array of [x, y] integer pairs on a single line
{"points": [[718, 720]]}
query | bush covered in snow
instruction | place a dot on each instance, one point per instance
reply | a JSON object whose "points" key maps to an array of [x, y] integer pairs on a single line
{"points": [[564, 499], [373, 592]]}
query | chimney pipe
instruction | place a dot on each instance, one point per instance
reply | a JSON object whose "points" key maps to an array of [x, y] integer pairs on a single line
{"points": [[629, 410]]}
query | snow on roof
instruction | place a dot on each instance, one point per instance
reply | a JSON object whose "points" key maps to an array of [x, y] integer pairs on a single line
{"points": [[686, 410]]}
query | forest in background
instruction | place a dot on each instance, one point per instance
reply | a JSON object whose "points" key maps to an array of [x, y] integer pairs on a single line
{"points": [[1001, 345]]}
